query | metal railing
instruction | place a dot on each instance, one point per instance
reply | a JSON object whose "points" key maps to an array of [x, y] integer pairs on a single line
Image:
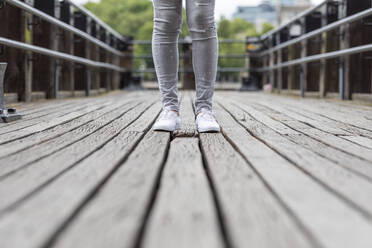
{"points": [[105, 50], [326, 34]]}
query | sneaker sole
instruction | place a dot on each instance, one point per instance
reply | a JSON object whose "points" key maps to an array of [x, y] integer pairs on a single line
{"points": [[209, 130], [164, 129]]}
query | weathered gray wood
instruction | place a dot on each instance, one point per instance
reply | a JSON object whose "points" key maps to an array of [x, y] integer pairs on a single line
{"points": [[53, 121], [309, 201], [39, 172], [327, 145], [10, 130], [18, 160], [38, 138], [51, 207], [183, 214], [358, 136], [187, 115], [35, 114], [305, 107], [249, 208], [313, 106], [123, 202], [329, 173], [363, 141]]}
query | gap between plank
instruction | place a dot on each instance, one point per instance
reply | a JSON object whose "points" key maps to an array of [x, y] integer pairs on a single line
{"points": [[325, 186], [91, 196], [312, 239], [40, 187]]}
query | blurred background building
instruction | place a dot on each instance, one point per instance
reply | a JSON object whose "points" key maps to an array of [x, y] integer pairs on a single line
{"points": [[275, 12]]}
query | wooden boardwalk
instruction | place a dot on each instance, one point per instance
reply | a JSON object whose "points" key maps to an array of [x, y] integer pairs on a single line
{"points": [[284, 173]]}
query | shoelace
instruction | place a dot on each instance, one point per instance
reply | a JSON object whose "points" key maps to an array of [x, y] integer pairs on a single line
{"points": [[166, 114], [207, 115]]}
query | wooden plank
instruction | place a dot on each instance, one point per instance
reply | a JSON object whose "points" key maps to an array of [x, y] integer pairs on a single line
{"points": [[74, 150], [306, 107], [339, 116], [77, 186], [38, 138], [358, 136], [331, 127], [123, 202], [335, 177], [309, 201], [183, 214], [187, 115], [332, 147], [362, 141], [55, 120], [249, 208], [35, 117], [55, 113]]}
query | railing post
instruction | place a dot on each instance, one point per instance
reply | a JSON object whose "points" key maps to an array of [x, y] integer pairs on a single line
{"points": [[115, 61], [56, 78], [279, 61], [67, 46], [46, 35], [188, 78], [108, 81], [88, 82], [126, 61], [29, 19], [304, 69], [94, 50], [344, 62], [341, 76], [323, 64], [2, 75], [271, 64], [11, 17], [291, 69]]}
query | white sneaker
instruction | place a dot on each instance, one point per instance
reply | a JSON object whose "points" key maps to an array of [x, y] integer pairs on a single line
{"points": [[168, 121], [205, 122]]}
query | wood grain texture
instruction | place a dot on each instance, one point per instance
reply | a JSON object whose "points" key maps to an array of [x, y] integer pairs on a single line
{"points": [[306, 199], [250, 210], [32, 123], [118, 211], [21, 183], [348, 154], [72, 189], [38, 138], [99, 126], [329, 173], [183, 214], [285, 172]]}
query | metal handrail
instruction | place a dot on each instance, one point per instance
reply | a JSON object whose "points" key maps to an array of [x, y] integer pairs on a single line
{"points": [[319, 31], [63, 25], [330, 55], [58, 55], [184, 41], [298, 17]]}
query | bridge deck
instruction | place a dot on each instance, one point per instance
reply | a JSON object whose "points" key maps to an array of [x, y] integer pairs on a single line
{"points": [[285, 173]]}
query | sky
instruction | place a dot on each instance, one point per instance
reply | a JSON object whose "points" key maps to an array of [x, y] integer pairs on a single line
{"points": [[223, 7]]}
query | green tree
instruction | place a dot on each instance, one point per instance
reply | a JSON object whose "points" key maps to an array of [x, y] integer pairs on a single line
{"points": [[266, 27], [125, 16]]}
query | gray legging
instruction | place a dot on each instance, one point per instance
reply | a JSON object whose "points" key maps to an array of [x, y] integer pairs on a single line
{"points": [[202, 27]]}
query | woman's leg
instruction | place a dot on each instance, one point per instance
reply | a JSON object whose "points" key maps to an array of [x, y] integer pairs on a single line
{"points": [[167, 26], [200, 18]]}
